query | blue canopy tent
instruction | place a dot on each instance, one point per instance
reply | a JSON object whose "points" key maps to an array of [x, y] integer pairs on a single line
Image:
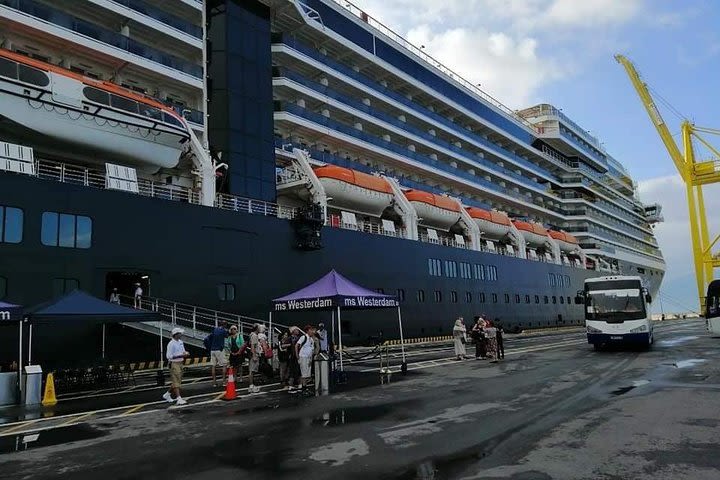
{"points": [[80, 307]]}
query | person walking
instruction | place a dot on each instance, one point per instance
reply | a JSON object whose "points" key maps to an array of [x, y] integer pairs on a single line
{"points": [[255, 352], [478, 335], [176, 355], [499, 339], [491, 336], [284, 358], [138, 295], [233, 350], [305, 348], [293, 363], [216, 342], [459, 338], [322, 334], [115, 296]]}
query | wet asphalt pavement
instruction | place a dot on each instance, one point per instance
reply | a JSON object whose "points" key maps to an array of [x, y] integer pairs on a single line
{"points": [[554, 409]]}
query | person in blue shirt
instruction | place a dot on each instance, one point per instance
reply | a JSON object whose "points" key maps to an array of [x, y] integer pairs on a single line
{"points": [[217, 351]]}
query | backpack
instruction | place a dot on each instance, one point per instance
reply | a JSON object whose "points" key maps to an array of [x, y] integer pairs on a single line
{"points": [[207, 342], [234, 346]]}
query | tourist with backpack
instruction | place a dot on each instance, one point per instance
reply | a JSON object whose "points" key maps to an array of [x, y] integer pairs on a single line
{"points": [[234, 351], [215, 344], [305, 349]]}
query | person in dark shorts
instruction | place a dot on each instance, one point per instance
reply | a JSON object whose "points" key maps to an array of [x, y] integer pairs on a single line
{"points": [[499, 338]]}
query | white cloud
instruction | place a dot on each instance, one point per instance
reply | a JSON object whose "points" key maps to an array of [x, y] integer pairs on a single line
{"points": [[673, 234]]}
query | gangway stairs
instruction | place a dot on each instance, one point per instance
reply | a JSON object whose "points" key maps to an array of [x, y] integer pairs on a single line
{"points": [[196, 321]]}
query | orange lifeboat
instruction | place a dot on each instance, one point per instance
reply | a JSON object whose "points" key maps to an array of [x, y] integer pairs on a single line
{"points": [[84, 117], [355, 190], [567, 242], [494, 225], [535, 234], [434, 210]]}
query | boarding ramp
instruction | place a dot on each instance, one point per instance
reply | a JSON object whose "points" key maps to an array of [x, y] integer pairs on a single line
{"points": [[196, 321]]}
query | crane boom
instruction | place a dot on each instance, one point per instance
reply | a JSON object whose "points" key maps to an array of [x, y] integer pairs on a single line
{"points": [[655, 116], [694, 174]]}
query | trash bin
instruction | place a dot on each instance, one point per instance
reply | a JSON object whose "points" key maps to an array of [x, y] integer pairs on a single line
{"points": [[322, 374], [32, 388], [8, 388]]}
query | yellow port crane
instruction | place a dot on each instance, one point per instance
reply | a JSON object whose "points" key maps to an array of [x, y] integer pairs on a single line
{"points": [[695, 174]]}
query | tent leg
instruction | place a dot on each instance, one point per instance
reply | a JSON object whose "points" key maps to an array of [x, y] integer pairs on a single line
{"points": [[403, 366], [103, 341], [30, 346], [160, 364], [270, 330], [342, 369], [20, 361]]}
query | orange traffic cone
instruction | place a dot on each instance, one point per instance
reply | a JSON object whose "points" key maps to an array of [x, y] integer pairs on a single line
{"points": [[230, 393]]}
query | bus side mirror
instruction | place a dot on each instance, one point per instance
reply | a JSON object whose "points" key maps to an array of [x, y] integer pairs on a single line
{"points": [[648, 298]]}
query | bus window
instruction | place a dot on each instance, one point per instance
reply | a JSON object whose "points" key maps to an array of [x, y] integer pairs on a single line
{"points": [[712, 301]]}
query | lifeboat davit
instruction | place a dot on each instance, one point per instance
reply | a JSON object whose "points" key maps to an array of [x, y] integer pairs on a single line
{"points": [[355, 190], [57, 110], [535, 234], [494, 225], [567, 242], [434, 210]]}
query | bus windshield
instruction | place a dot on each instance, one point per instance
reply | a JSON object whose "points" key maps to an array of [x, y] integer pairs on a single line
{"points": [[712, 301], [615, 305]]}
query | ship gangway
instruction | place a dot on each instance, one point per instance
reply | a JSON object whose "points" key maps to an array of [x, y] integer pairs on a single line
{"points": [[195, 320]]}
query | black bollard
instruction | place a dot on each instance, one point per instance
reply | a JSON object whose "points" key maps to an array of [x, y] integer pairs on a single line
{"points": [[160, 378], [403, 368]]}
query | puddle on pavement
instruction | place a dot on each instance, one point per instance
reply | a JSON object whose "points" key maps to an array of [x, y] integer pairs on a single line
{"points": [[677, 341], [47, 438], [259, 408], [624, 390], [689, 363], [345, 416]]}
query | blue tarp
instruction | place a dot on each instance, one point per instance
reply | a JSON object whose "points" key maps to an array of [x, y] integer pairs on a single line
{"points": [[10, 312], [78, 306]]}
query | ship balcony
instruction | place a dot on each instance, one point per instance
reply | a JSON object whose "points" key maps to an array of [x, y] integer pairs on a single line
{"points": [[295, 83], [366, 224], [358, 85], [172, 25], [50, 23], [316, 125]]}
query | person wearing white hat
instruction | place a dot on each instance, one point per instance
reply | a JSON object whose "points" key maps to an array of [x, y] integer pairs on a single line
{"points": [[176, 354]]}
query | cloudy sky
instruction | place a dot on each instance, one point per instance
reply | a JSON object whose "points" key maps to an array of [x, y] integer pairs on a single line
{"points": [[524, 52]]}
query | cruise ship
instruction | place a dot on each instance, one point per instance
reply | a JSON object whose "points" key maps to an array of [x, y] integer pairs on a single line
{"points": [[223, 153]]}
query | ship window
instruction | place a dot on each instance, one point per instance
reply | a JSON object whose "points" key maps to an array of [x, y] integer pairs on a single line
{"points": [[33, 76], [545, 299], [551, 276], [465, 270], [421, 296], [151, 112], [468, 297], [172, 119], [567, 281], [434, 267], [562, 300], [401, 294], [453, 297], [494, 298], [226, 291], [527, 298], [517, 298], [63, 230], [438, 296], [123, 104], [8, 69], [479, 272], [64, 285], [450, 269], [507, 298], [3, 287], [554, 299], [11, 225], [537, 298], [568, 300], [481, 297], [96, 95]]}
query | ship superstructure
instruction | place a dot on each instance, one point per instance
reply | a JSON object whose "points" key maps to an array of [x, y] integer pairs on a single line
{"points": [[315, 110]]}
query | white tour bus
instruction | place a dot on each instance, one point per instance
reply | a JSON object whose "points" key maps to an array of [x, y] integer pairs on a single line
{"points": [[617, 310]]}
